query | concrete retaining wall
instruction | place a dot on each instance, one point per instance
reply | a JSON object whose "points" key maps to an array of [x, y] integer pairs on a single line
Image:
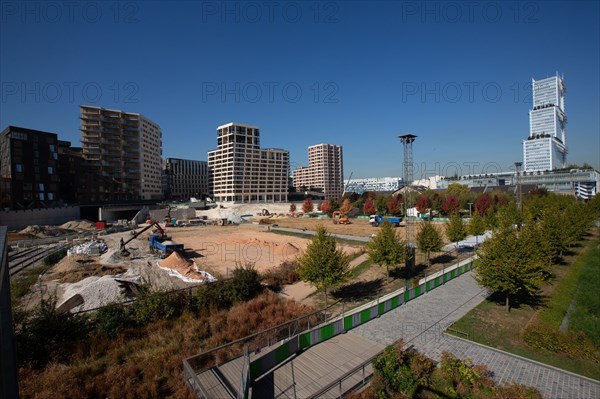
{"points": [[18, 220]]}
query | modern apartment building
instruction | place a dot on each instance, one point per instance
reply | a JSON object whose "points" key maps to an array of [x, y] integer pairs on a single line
{"points": [[241, 171], [126, 148], [185, 178], [28, 168], [546, 146], [325, 171]]}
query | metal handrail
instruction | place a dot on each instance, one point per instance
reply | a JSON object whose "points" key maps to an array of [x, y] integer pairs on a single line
{"points": [[348, 375]]}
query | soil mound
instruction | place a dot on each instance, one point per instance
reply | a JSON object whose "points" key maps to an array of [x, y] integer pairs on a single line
{"points": [[82, 225], [45, 231]]}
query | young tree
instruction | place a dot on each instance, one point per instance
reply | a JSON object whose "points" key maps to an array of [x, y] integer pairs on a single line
{"points": [[326, 207], [455, 229], [323, 264], [423, 204], [386, 248], [457, 189], [346, 207], [381, 201], [508, 264], [483, 204], [307, 205], [393, 206], [429, 240], [476, 225], [451, 205], [292, 207], [369, 207]]}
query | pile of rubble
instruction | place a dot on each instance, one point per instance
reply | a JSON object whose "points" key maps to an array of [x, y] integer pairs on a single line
{"points": [[93, 247]]}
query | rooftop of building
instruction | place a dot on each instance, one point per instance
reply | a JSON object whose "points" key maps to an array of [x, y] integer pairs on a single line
{"points": [[236, 124], [11, 128]]}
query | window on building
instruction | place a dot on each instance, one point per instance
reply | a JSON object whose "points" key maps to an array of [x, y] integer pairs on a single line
{"points": [[19, 168], [41, 186]]}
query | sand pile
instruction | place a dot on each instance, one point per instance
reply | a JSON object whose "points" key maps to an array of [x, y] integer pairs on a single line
{"points": [[76, 268], [177, 265], [96, 292], [45, 231], [79, 225]]}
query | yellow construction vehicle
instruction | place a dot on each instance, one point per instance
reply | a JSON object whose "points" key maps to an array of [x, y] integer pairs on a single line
{"points": [[339, 218]]}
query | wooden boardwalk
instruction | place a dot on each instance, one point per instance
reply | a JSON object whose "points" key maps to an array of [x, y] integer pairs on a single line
{"points": [[302, 376]]}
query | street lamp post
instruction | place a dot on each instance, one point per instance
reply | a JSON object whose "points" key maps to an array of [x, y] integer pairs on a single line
{"points": [[470, 214]]}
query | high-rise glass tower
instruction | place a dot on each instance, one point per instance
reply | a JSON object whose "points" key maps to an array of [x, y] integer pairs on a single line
{"points": [[546, 146]]}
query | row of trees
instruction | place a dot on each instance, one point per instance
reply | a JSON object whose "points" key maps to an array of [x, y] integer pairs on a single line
{"points": [[518, 258]]}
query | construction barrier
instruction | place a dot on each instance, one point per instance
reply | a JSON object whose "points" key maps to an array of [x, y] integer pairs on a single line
{"points": [[346, 322]]}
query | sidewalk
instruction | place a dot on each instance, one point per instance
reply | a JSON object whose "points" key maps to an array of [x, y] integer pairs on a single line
{"points": [[422, 323]]}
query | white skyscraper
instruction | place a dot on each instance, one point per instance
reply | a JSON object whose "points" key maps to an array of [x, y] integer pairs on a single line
{"points": [[546, 146]]}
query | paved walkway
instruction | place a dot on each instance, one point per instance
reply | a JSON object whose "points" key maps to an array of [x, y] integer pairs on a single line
{"points": [[422, 321]]}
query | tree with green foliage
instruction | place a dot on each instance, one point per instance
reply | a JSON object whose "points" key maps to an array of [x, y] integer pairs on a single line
{"points": [[307, 205], [386, 248], [476, 225], [323, 264], [508, 264], [457, 189], [456, 229], [429, 240]]}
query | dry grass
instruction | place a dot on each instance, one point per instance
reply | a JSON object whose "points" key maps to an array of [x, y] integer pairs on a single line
{"points": [[147, 362]]}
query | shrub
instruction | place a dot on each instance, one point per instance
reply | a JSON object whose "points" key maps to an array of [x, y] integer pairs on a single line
{"points": [[576, 345], [211, 297], [245, 283], [112, 319], [154, 306], [44, 335], [55, 257], [285, 273]]}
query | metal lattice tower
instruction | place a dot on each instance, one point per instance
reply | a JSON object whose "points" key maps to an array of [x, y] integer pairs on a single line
{"points": [[518, 184], [407, 141], [409, 202]]}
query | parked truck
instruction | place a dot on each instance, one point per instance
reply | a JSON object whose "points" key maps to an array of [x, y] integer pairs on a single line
{"points": [[376, 220]]}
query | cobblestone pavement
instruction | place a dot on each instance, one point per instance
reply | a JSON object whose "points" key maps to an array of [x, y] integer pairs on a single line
{"points": [[422, 321]]}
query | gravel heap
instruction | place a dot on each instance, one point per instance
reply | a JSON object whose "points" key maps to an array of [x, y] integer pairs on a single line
{"points": [[96, 292]]}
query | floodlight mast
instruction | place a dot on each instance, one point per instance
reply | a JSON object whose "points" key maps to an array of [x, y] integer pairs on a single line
{"points": [[407, 141]]}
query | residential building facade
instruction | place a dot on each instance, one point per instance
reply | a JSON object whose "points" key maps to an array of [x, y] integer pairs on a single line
{"points": [[185, 178], [546, 147], [241, 171], [28, 168], [126, 149], [325, 171]]}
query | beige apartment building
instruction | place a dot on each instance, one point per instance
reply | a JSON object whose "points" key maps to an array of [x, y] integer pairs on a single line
{"points": [[240, 171], [325, 171], [126, 149]]}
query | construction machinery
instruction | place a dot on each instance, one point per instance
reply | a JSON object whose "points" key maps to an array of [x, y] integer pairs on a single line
{"points": [[340, 218], [160, 233], [376, 220]]}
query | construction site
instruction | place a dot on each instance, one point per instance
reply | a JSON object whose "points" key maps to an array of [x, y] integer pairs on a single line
{"points": [[108, 263]]}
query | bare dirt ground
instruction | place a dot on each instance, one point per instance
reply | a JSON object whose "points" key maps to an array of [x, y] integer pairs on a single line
{"points": [[359, 227], [219, 249]]}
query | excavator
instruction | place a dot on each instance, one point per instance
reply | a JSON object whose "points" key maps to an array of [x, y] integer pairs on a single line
{"points": [[162, 236], [340, 218]]}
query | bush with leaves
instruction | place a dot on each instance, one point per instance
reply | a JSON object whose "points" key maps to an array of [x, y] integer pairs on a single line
{"points": [[245, 283], [400, 372], [285, 273], [44, 335], [158, 305], [113, 318], [455, 228]]}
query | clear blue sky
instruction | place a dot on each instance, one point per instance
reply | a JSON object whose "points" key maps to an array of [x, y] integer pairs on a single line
{"points": [[358, 74]]}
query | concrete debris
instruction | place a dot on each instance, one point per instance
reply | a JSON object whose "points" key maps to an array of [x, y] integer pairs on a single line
{"points": [[93, 247], [96, 292]]}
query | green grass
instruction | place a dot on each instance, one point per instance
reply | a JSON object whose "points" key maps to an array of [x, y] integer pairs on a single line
{"points": [[359, 269], [490, 325], [586, 313], [20, 285]]}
